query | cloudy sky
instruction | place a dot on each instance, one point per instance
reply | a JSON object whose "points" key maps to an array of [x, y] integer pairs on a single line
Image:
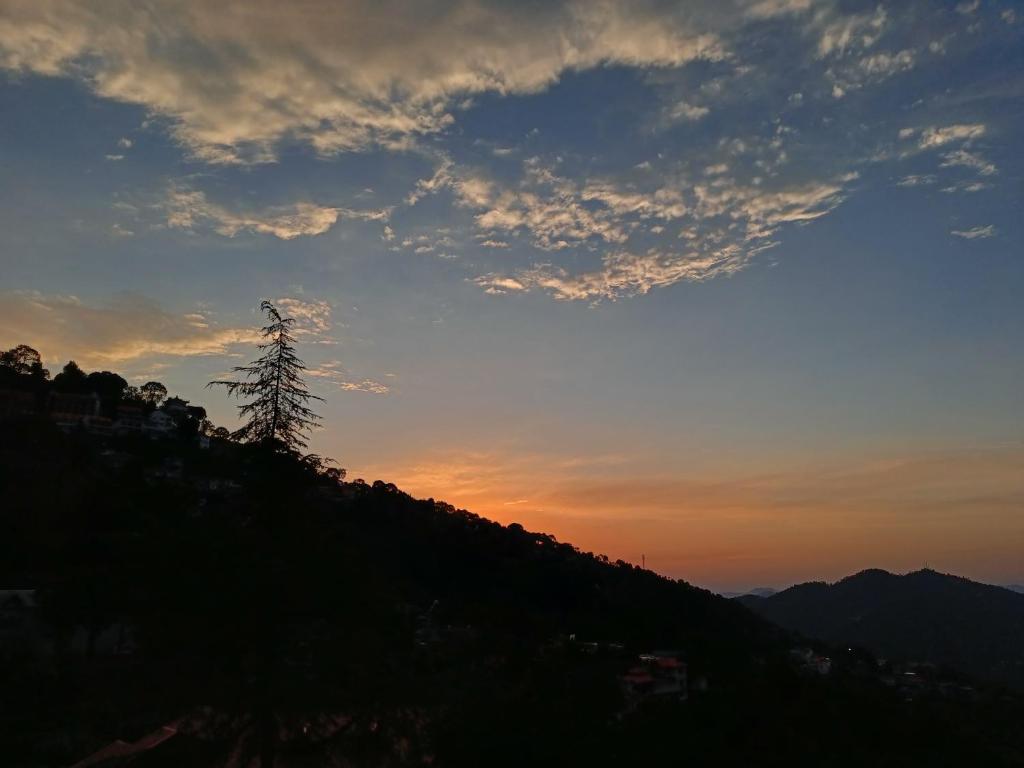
{"points": [[734, 284]]}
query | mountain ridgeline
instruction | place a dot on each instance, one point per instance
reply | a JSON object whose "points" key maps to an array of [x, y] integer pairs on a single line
{"points": [[170, 595], [923, 616]]}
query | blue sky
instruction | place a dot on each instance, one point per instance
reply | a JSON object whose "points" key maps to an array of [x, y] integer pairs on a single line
{"points": [[733, 285]]}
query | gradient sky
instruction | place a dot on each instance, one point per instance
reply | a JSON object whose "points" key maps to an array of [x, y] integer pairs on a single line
{"points": [[735, 285]]}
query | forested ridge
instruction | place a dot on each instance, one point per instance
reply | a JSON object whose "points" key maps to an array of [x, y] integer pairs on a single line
{"points": [[270, 609]]}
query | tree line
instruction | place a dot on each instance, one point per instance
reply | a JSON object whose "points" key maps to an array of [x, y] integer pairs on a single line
{"points": [[276, 410]]}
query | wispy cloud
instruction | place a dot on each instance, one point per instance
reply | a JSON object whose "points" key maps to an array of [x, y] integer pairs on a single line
{"points": [[621, 274], [843, 34], [764, 9], [128, 328], [966, 186], [360, 76], [730, 223], [937, 136], [313, 317], [683, 110], [917, 180], [962, 157], [886, 64], [333, 372], [189, 209], [975, 233]]}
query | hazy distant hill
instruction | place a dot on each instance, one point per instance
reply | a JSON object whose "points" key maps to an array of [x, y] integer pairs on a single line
{"points": [[756, 592], [920, 616]]}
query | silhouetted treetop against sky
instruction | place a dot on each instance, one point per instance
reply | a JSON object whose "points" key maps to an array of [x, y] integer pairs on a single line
{"points": [[24, 359], [277, 410], [153, 392]]}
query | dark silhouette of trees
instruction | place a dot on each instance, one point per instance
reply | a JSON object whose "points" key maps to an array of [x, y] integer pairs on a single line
{"points": [[278, 412], [24, 360], [109, 386], [133, 396], [153, 392], [71, 379]]}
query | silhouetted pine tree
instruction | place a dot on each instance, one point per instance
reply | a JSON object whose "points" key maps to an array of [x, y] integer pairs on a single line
{"points": [[278, 412]]}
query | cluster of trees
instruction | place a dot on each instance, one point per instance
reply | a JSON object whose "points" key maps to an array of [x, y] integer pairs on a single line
{"points": [[276, 411], [21, 368]]}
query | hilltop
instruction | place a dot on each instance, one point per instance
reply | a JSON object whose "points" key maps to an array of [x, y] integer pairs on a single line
{"points": [[923, 616]]}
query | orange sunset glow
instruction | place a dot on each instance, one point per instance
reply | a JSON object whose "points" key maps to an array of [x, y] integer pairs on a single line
{"points": [[507, 383]]}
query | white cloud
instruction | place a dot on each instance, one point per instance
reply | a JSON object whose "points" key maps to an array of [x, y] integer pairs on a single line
{"points": [[732, 223], [962, 157], [917, 180], [966, 186], [188, 209], [850, 75], [334, 372], [685, 111], [127, 329], [234, 78], [881, 65], [846, 33], [621, 274], [763, 9], [124, 143], [549, 207], [312, 317], [938, 136], [968, 7], [975, 232], [663, 203], [559, 213]]}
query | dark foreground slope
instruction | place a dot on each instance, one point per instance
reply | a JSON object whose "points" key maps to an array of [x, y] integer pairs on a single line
{"points": [[921, 616], [263, 611]]}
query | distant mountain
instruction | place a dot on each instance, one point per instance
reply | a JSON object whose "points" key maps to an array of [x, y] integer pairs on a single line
{"points": [[756, 592], [1016, 588], [921, 616]]}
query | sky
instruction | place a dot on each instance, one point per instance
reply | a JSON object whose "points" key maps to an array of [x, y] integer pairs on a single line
{"points": [[733, 286]]}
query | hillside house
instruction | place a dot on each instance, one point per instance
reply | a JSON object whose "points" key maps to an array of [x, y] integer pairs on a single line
{"points": [[660, 674], [71, 409], [160, 424], [810, 662], [175, 407], [130, 419], [14, 403]]}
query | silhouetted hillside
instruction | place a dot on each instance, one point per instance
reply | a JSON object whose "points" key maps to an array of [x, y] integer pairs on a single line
{"points": [[169, 596], [922, 616]]}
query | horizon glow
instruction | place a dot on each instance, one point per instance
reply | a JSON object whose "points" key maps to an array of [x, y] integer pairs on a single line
{"points": [[733, 286]]}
